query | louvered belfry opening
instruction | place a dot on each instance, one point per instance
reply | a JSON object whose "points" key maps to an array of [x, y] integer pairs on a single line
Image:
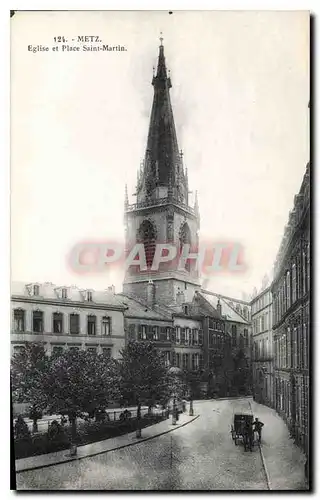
{"points": [[185, 238], [147, 236]]}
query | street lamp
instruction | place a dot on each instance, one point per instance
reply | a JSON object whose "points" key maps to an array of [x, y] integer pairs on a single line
{"points": [[191, 408], [174, 411], [175, 372]]}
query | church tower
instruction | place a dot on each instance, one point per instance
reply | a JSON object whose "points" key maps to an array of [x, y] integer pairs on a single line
{"points": [[162, 213]]}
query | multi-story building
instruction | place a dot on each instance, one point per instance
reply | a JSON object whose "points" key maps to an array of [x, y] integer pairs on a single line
{"points": [[66, 317], [167, 305], [291, 294], [262, 348]]}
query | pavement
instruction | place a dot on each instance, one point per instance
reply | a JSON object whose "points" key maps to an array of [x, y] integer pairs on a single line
{"points": [[93, 449], [197, 456]]}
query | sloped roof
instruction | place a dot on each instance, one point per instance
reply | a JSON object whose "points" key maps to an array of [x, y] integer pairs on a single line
{"points": [[50, 290], [226, 309], [140, 309]]}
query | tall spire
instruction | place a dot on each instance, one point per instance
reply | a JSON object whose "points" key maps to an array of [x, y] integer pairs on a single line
{"points": [[162, 154]]}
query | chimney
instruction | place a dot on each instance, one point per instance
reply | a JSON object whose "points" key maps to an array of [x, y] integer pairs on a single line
{"points": [[180, 297], [219, 309], [151, 294], [111, 289]]}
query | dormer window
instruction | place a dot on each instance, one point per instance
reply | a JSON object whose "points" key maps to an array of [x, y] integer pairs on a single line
{"points": [[64, 293], [89, 295], [36, 289]]}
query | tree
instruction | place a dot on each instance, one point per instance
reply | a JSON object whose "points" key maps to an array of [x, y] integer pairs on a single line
{"points": [[79, 381], [144, 376], [28, 369], [242, 372]]}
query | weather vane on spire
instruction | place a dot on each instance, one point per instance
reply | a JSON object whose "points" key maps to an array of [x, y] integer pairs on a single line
{"points": [[161, 38]]}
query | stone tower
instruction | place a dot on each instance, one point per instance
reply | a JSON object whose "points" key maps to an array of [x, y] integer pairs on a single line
{"points": [[162, 213]]}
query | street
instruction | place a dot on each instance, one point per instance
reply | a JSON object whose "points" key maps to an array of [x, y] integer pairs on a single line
{"points": [[200, 455]]}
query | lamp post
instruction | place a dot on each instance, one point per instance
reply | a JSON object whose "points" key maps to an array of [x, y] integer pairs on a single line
{"points": [[174, 411], [191, 408]]}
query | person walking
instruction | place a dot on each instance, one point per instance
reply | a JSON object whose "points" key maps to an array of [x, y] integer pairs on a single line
{"points": [[257, 427]]}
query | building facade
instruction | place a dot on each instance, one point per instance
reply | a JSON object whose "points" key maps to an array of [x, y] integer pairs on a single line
{"points": [[262, 348], [191, 326], [291, 333], [66, 318]]}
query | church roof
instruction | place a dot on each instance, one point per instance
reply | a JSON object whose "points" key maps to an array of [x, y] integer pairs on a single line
{"points": [[140, 309], [226, 309]]}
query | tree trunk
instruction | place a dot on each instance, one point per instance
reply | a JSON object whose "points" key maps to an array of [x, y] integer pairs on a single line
{"points": [[73, 446], [35, 425], [138, 431]]}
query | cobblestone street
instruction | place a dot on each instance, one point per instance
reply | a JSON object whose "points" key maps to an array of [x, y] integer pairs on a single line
{"points": [[200, 455]]}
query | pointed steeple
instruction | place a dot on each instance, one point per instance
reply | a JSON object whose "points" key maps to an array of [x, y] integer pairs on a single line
{"points": [[162, 152]]}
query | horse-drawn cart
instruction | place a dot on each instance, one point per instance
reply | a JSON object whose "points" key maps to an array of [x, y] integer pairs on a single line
{"points": [[242, 429]]}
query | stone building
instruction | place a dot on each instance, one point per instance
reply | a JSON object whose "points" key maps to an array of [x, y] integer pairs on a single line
{"points": [[262, 348], [191, 326], [291, 296], [66, 317]]}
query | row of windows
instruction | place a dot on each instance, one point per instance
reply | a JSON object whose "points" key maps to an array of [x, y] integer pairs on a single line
{"points": [[188, 361], [262, 323], [216, 325], [177, 335], [57, 350], [262, 349], [35, 290], [260, 303], [295, 284], [244, 339], [292, 348], [58, 323]]}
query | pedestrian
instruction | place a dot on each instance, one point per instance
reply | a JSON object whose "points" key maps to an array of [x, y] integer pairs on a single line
{"points": [[257, 427]]}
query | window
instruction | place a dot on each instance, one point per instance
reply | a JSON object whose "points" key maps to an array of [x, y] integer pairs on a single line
{"points": [[147, 236], [74, 324], [185, 239], [186, 311], [18, 319], [167, 358], [200, 336], [168, 333], [155, 333], [57, 350], [178, 334], [188, 336], [106, 326], [142, 332], [36, 289], [37, 322], [91, 325], [64, 293], [195, 361], [74, 348], [177, 359], [234, 335], [183, 335], [246, 337], [93, 350], [267, 321], [106, 351], [89, 295], [294, 283], [262, 323], [288, 290], [173, 335], [57, 322], [185, 361], [194, 336], [18, 349], [201, 363], [132, 332]]}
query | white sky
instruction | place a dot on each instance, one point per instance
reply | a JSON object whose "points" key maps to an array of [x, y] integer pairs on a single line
{"points": [[79, 123]]}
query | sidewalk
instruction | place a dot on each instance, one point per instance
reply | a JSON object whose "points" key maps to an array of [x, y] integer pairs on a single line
{"points": [[99, 447], [284, 460]]}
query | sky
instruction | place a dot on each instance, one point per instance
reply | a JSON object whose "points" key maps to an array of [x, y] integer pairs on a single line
{"points": [[79, 123]]}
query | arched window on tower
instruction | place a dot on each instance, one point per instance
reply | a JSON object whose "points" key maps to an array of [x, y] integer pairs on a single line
{"points": [[185, 239], [147, 236]]}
